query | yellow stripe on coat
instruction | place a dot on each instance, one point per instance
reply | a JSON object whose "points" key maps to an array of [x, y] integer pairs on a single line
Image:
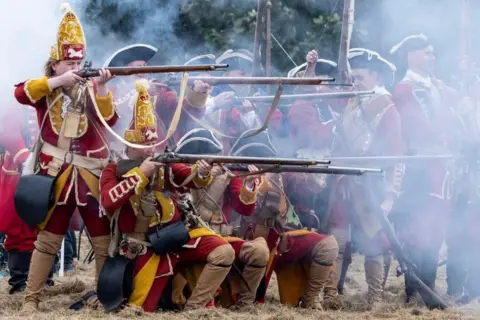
{"points": [[58, 187], [143, 281], [202, 232]]}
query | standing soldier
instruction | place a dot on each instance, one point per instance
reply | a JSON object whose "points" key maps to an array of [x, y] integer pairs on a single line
{"points": [[370, 127], [423, 103], [73, 149], [143, 200]]}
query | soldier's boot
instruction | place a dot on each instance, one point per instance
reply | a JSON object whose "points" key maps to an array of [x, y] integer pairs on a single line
{"points": [[18, 265], [219, 262], [322, 260], [331, 298], [254, 254], [374, 277], [100, 246], [43, 257]]}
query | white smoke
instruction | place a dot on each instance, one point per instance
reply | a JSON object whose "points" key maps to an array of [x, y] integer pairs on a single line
{"points": [[27, 29]]}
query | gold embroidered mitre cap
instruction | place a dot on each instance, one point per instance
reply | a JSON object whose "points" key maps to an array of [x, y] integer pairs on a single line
{"points": [[143, 128], [70, 38]]}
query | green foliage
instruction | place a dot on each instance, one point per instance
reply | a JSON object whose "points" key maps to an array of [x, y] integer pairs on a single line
{"points": [[213, 26]]}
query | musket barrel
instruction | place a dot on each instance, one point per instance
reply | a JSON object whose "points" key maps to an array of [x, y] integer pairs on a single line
{"points": [[310, 169], [171, 157], [126, 71], [392, 158], [309, 96], [255, 80]]}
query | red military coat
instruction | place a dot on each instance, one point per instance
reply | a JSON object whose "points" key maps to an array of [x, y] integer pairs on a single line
{"points": [[92, 141], [166, 102], [427, 128], [124, 195], [18, 133], [371, 130]]}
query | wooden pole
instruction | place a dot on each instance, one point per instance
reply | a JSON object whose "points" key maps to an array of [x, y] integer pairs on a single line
{"points": [[347, 26]]}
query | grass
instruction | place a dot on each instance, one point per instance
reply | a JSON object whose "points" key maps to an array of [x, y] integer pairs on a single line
{"points": [[56, 306]]}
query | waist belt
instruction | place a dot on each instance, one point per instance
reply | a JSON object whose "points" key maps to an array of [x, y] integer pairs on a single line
{"points": [[92, 164]]}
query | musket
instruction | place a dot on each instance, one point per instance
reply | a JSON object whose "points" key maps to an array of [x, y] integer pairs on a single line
{"points": [[391, 159], [168, 157], [308, 169], [309, 96], [250, 80], [431, 299], [88, 72]]}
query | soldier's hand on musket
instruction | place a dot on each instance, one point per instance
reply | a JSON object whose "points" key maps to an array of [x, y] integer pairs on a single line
{"points": [[251, 179], [102, 80], [204, 168], [104, 77], [66, 80], [217, 170], [148, 167], [247, 106], [312, 58], [200, 86], [224, 99]]}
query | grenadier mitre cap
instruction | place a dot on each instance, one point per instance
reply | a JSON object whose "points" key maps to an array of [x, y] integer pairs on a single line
{"points": [[143, 128], [199, 141], [324, 67], [202, 59], [71, 44], [128, 54]]}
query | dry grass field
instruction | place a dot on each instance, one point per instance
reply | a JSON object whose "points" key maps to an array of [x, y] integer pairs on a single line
{"points": [[56, 306]]}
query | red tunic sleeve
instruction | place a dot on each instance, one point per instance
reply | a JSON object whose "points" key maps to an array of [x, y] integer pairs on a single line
{"points": [[114, 193], [237, 202]]}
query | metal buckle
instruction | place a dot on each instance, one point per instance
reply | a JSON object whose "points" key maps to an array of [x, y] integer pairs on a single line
{"points": [[71, 157]]}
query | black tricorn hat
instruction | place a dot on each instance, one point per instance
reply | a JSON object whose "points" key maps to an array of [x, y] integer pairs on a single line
{"points": [[134, 52], [199, 141], [202, 59], [322, 68], [258, 145], [241, 59], [360, 58]]}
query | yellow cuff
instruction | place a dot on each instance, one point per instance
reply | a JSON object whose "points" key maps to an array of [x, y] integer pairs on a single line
{"points": [[106, 106], [264, 185], [199, 182], [36, 89], [248, 197], [196, 99], [142, 180]]}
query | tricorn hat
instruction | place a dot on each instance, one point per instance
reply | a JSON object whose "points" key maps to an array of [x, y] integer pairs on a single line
{"points": [[258, 145], [241, 59], [202, 59], [199, 141], [322, 68], [360, 58], [128, 54]]}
